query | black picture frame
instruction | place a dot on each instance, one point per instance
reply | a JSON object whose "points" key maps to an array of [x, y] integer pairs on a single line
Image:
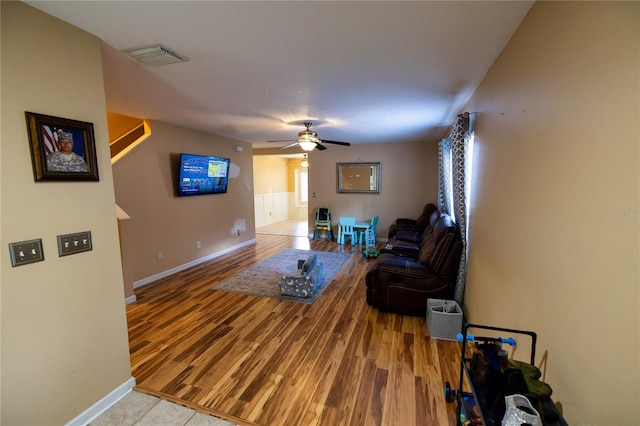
{"points": [[44, 131]]}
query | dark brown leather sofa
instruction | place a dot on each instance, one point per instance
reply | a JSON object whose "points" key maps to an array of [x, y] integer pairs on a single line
{"points": [[408, 242], [414, 227], [401, 282]]}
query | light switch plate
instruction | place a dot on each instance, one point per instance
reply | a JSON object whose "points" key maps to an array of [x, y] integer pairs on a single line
{"points": [[25, 252], [74, 243]]}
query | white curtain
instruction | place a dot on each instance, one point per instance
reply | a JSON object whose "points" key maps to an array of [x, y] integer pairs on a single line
{"points": [[454, 169]]}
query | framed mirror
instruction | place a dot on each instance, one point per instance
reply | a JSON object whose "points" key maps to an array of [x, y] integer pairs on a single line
{"points": [[363, 178]]}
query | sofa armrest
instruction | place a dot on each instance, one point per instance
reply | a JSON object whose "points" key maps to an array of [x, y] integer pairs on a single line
{"points": [[401, 285], [317, 273], [401, 248], [402, 265]]}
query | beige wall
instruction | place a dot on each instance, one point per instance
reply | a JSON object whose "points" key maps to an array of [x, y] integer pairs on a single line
{"points": [[409, 173], [409, 181], [555, 212], [145, 185], [270, 170], [271, 174], [292, 165], [64, 335], [554, 219]]}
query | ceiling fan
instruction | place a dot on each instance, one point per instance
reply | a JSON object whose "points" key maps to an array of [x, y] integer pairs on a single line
{"points": [[308, 140]]}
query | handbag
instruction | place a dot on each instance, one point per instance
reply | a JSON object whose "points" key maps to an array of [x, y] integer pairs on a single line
{"points": [[520, 412]]}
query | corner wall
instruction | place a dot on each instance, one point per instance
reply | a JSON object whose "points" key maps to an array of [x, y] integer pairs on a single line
{"points": [[163, 231], [554, 229], [64, 334], [409, 180]]}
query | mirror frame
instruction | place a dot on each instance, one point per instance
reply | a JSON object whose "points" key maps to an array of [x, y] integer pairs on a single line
{"points": [[341, 185]]}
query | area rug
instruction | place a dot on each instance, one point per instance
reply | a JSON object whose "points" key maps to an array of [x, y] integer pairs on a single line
{"points": [[263, 279]]}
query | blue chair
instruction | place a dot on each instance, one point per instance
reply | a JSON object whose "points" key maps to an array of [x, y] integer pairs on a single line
{"points": [[346, 229], [322, 222], [372, 227]]}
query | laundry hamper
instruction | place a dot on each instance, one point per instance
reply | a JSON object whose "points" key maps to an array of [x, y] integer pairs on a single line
{"points": [[444, 318]]}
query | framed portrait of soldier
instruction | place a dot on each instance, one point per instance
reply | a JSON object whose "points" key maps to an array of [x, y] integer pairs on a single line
{"points": [[61, 149]]}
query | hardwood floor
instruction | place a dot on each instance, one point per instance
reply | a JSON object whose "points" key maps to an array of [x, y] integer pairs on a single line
{"points": [[291, 227], [254, 360]]}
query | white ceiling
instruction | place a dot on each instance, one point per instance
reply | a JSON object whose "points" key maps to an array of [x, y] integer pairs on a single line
{"points": [[369, 72]]}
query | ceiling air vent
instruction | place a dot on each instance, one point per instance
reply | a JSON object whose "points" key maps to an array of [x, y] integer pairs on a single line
{"points": [[156, 54]]}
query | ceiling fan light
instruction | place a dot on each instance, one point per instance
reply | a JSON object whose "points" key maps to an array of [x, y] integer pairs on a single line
{"points": [[307, 145]]}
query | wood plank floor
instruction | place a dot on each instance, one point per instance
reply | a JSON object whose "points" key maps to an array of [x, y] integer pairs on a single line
{"points": [[259, 361], [291, 227]]}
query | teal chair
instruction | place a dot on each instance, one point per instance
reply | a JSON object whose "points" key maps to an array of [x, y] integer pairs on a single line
{"points": [[346, 229], [322, 222], [372, 227]]}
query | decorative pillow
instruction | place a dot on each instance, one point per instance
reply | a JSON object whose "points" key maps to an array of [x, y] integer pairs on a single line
{"points": [[308, 264]]}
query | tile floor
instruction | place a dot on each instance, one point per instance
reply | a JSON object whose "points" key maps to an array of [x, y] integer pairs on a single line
{"points": [[140, 409]]}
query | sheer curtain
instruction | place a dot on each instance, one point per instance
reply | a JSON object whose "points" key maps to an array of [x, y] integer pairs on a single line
{"points": [[454, 170]]}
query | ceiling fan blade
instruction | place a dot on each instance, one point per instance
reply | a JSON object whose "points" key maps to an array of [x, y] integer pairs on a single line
{"points": [[336, 142], [309, 136], [290, 145]]}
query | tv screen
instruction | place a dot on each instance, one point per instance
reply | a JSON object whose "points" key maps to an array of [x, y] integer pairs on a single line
{"points": [[200, 175]]}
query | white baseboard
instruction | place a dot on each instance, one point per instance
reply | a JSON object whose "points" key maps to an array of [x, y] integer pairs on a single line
{"points": [[101, 406], [131, 299], [179, 268]]}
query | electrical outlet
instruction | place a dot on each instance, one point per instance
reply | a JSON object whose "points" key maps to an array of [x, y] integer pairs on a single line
{"points": [[198, 244], [160, 255], [74, 243], [25, 252]]}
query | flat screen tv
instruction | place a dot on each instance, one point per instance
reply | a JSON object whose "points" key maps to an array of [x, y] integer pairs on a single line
{"points": [[200, 175]]}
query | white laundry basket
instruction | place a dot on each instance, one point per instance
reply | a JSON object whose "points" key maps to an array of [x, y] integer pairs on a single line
{"points": [[444, 318]]}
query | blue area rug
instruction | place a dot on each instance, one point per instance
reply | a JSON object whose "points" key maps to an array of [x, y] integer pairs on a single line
{"points": [[263, 279]]}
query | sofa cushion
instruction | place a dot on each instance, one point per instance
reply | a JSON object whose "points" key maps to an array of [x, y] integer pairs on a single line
{"points": [[432, 246], [441, 251], [443, 225], [423, 221], [409, 236], [427, 247], [308, 264], [393, 264], [434, 218], [412, 226]]}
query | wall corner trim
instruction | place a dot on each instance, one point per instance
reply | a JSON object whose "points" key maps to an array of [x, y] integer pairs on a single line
{"points": [[103, 404]]}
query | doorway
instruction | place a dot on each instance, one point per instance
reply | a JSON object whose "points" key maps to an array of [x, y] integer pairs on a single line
{"points": [[281, 195]]}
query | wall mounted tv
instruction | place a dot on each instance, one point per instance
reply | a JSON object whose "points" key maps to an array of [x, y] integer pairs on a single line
{"points": [[200, 175]]}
